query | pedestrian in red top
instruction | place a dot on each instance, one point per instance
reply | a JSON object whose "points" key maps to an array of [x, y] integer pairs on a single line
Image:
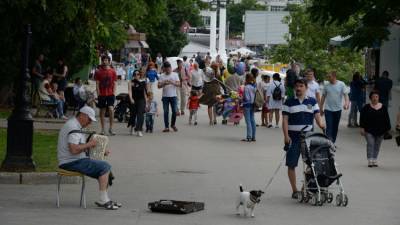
{"points": [[105, 78], [193, 105]]}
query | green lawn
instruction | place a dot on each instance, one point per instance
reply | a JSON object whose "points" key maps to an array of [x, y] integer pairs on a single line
{"points": [[5, 113], [44, 149]]}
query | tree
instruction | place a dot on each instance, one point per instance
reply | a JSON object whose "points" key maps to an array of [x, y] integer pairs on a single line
{"points": [[308, 43], [163, 31], [235, 13], [73, 28], [365, 21], [69, 29]]}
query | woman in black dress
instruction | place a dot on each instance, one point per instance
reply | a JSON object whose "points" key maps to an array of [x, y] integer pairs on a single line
{"points": [[137, 90], [374, 123]]}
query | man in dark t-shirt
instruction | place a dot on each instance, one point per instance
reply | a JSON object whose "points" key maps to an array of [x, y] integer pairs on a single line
{"points": [[105, 78], [384, 85]]}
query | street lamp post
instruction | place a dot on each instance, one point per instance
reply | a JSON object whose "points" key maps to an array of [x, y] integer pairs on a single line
{"points": [[20, 123]]}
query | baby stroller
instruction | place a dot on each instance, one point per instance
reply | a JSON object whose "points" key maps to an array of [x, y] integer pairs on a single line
{"points": [[319, 169], [121, 110]]}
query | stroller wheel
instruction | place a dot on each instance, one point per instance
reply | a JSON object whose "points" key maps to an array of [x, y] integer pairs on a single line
{"points": [[306, 198], [345, 200], [323, 198], [120, 118], [314, 199], [338, 200], [329, 198]]}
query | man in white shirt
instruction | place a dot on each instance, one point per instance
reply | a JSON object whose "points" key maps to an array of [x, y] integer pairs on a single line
{"points": [[332, 104], [169, 81], [313, 90]]}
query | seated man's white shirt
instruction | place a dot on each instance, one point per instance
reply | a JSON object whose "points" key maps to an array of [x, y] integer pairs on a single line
{"points": [[63, 152]]}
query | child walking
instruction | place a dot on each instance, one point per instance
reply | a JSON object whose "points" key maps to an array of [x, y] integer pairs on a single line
{"points": [[193, 105], [151, 112]]}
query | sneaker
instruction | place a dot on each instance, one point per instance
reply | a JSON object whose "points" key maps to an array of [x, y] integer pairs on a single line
{"points": [[295, 194], [166, 130], [195, 123], [370, 163], [110, 131], [64, 118], [139, 134], [276, 126], [270, 126], [102, 132], [174, 128]]}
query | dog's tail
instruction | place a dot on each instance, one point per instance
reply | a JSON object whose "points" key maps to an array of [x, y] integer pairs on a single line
{"points": [[240, 188]]}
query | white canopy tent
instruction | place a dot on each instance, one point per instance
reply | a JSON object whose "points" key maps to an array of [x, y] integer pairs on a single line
{"points": [[243, 51]]}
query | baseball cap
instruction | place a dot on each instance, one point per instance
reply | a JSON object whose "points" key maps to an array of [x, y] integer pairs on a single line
{"points": [[89, 112]]}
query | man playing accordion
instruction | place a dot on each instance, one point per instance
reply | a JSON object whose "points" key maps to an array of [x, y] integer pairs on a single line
{"points": [[71, 153]]}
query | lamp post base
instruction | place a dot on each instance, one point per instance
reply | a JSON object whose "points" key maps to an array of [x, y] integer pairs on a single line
{"points": [[19, 146]]}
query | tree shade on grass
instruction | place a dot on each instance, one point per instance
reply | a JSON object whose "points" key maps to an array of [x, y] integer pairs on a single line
{"points": [[44, 149]]}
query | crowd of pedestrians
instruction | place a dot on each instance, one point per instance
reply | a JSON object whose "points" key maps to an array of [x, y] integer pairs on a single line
{"points": [[297, 102]]}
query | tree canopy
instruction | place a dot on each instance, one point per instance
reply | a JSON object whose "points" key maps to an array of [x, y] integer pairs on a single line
{"points": [[366, 21], [72, 28], [308, 43]]}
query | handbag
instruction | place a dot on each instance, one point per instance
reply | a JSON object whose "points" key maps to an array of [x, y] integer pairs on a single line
{"points": [[387, 136]]}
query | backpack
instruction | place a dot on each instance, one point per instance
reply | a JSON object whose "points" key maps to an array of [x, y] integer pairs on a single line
{"points": [[277, 92], [258, 100]]}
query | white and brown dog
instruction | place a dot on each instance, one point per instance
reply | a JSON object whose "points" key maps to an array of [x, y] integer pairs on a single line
{"points": [[248, 200]]}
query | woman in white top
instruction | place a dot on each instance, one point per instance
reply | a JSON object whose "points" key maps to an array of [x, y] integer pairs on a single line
{"points": [[275, 96]]}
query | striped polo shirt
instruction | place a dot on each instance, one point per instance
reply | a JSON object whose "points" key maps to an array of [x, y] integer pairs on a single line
{"points": [[300, 114]]}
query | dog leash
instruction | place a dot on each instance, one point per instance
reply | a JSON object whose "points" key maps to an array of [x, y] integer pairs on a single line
{"points": [[276, 171]]}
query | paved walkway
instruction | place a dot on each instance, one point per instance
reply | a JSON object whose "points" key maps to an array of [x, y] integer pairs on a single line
{"points": [[207, 164]]}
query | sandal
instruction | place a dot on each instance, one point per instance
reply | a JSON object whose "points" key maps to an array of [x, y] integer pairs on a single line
{"points": [[110, 205]]}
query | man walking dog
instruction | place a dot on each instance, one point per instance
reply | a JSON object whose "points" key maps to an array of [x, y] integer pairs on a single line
{"points": [[298, 113]]}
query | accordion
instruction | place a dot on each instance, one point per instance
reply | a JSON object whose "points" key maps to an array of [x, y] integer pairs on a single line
{"points": [[98, 152]]}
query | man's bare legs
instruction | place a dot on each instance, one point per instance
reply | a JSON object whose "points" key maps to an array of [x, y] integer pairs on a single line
{"points": [[277, 117], [103, 181], [292, 178], [102, 115], [111, 113]]}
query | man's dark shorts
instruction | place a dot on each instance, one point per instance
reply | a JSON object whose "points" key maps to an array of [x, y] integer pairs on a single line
{"points": [[293, 154], [105, 101], [89, 167]]}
